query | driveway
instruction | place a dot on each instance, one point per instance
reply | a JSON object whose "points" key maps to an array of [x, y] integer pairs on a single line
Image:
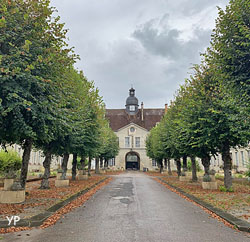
{"points": [[134, 208]]}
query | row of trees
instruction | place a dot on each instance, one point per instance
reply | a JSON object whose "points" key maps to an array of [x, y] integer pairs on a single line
{"points": [[44, 101], [211, 111]]}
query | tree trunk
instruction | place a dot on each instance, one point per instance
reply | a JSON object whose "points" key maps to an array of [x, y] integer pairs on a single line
{"points": [[105, 164], [89, 166], [226, 157], [101, 162], [169, 167], [97, 170], [25, 162], [46, 175], [178, 164], [184, 161], [165, 163], [82, 161], [65, 165], [194, 174], [74, 163], [206, 163], [161, 165]]}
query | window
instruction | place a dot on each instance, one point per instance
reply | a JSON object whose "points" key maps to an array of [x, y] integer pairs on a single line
{"points": [[137, 142], [111, 162], [33, 158], [132, 129], [242, 158], [236, 158], [154, 163], [39, 157], [127, 142], [132, 108]]}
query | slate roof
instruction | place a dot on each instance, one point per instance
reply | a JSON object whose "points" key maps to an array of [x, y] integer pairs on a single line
{"points": [[119, 118]]}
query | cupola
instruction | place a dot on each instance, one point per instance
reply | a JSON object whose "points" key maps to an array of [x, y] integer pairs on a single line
{"points": [[132, 103]]}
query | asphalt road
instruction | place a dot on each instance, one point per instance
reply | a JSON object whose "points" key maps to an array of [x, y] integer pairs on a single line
{"points": [[134, 208]]}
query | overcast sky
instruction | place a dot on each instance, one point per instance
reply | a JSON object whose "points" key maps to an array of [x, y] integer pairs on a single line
{"points": [[150, 44]]}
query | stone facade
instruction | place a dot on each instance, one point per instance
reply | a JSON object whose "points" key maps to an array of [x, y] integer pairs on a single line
{"points": [[136, 145], [132, 125]]}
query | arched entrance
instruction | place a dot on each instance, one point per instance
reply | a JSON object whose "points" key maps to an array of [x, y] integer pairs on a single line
{"points": [[132, 161]]}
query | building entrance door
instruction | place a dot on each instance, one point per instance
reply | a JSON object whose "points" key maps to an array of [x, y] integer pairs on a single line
{"points": [[132, 161]]}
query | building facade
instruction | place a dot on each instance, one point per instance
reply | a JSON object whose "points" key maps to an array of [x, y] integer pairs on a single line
{"points": [[132, 126]]}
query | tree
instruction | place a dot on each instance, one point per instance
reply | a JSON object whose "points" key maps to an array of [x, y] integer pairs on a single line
{"points": [[109, 147], [230, 54], [230, 51], [154, 146], [32, 52]]}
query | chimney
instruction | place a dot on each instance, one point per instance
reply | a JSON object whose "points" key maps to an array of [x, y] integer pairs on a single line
{"points": [[166, 108], [142, 114]]}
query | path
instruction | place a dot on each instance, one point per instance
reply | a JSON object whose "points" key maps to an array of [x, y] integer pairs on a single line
{"points": [[134, 208]]}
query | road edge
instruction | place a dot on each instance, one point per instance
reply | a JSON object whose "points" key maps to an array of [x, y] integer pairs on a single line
{"points": [[39, 219], [238, 223]]}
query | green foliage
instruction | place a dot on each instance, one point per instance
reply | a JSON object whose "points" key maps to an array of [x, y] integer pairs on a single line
{"points": [[31, 65], [109, 146], [247, 173], [218, 176], [189, 165], [79, 165], [230, 47], [224, 189], [208, 116], [10, 162], [43, 99], [206, 178]]}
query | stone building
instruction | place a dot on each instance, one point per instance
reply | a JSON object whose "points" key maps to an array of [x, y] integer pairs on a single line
{"points": [[132, 126]]}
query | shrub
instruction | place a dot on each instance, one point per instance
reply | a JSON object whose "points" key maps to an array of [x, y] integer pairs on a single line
{"points": [[224, 189], [207, 178], [10, 163]]}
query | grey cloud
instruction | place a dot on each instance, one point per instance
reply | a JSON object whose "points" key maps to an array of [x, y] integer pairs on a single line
{"points": [[138, 42], [167, 42]]}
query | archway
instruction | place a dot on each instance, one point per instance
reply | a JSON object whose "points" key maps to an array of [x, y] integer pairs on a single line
{"points": [[132, 161]]}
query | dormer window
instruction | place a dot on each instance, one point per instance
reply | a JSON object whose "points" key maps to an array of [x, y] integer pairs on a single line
{"points": [[132, 108]]}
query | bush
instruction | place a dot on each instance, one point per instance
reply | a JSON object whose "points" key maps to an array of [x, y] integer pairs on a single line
{"points": [[189, 165], [206, 178], [224, 189], [10, 163]]}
